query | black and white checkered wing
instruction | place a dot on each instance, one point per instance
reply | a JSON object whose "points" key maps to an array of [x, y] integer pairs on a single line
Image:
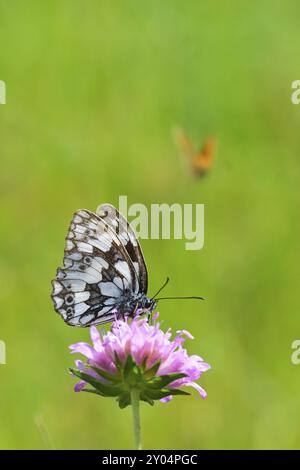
{"points": [[98, 274], [128, 238]]}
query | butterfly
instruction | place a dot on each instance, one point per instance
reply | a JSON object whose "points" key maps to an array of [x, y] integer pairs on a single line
{"points": [[201, 161], [104, 274]]}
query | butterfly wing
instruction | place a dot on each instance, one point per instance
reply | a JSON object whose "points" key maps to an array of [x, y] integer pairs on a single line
{"points": [[185, 144], [202, 161], [127, 236], [97, 274]]}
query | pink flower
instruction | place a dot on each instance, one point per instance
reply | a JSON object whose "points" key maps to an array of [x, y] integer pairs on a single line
{"points": [[137, 353]]}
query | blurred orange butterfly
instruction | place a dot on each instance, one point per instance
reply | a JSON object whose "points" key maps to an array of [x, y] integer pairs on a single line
{"points": [[201, 161]]}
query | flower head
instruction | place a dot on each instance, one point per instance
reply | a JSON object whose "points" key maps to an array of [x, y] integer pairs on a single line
{"points": [[137, 354]]}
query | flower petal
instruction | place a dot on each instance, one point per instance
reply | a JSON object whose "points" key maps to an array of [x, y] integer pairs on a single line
{"points": [[79, 386], [199, 389], [185, 333], [166, 399]]}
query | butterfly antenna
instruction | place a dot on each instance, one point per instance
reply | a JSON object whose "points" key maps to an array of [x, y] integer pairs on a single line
{"points": [[180, 298], [162, 287]]}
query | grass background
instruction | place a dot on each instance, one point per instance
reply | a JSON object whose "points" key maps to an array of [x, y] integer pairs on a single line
{"points": [[94, 90]]}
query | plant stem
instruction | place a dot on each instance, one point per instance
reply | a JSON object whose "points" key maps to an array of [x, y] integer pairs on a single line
{"points": [[135, 405]]}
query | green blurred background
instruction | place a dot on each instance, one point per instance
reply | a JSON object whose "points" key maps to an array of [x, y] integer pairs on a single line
{"points": [[94, 90]]}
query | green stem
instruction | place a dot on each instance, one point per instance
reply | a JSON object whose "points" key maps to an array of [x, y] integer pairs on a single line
{"points": [[135, 405]]}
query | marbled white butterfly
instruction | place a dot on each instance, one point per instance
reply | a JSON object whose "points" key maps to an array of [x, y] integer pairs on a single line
{"points": [[104, 275]]}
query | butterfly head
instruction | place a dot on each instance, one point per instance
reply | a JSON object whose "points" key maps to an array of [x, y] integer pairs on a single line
{"points": [[138, 305], [147, 304]]}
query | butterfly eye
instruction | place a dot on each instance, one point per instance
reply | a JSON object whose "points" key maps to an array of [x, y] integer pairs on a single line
{"points": [[69, 299]]}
